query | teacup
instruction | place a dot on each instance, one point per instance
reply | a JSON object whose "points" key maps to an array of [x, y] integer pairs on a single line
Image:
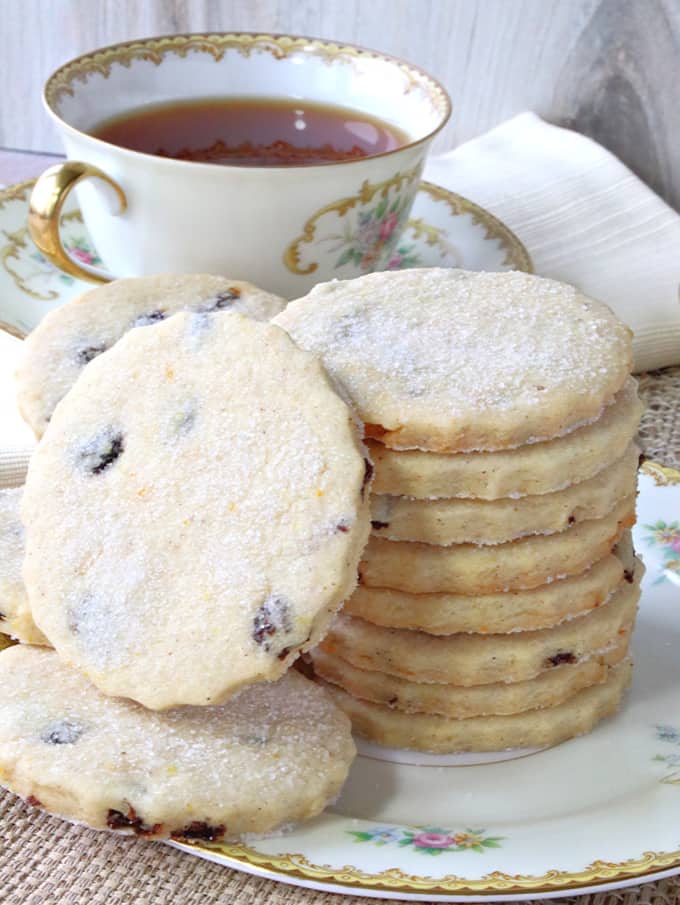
{"points": [[282, 227]]}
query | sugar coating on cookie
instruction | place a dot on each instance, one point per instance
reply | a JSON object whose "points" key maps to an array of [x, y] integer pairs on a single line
{"points": [[195, 511], [70, 336], [275, 754], [451, 360], [15, 613]]}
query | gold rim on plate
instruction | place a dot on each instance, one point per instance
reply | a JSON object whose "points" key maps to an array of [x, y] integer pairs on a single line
{"points": [[297, 867]]}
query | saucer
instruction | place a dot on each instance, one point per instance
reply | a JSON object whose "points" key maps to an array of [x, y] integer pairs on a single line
{"points": [[592, 814], [445, 230]]}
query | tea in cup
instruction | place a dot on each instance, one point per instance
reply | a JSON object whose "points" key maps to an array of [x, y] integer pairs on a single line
{"points": [[281, 160]]}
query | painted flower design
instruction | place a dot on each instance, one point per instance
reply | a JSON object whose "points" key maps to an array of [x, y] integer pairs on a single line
{"points": [[381, 835], [388, 226], [433, 840], [429, 840], [470, 840], [370, 238], [663, 534], [80, 249], [404, 256], [669, 735], [666, 535]]}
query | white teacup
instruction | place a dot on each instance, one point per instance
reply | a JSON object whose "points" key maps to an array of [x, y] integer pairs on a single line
{"points": [[284, 228]]}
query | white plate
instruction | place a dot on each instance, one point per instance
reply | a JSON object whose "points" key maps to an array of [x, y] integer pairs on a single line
{"points": [[598, 812], [445, 230]]}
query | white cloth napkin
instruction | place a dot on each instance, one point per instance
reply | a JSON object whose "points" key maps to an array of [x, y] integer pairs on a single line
{"points": [[16, 438], [584, 218]]}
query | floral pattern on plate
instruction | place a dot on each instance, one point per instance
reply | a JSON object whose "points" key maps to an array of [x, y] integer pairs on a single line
{"points": [[670, 735], [430, 840], [666, 535]]}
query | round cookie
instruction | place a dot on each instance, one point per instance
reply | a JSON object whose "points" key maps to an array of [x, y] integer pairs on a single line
{"points": [[484, 659], [455, 702], [532, 729], [446, 522], [191, 773], [195, 511], [507, 611], [534, 468], [474, 569], [451, 360], [72, 335], [16, 619]]}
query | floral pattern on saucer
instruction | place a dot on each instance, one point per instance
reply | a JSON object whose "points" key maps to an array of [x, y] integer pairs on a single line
{"points": [[78, 247]]}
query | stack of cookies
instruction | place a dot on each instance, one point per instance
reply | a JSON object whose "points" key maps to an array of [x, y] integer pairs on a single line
{"points": [[192, 519], [499, 588]]}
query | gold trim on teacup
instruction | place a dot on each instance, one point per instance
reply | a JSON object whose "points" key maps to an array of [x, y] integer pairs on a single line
{"points": [[216, 44], [48, 197], [394, 880]]}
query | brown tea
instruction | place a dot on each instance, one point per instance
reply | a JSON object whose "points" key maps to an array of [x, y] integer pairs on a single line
{"points": [[244, 131]]}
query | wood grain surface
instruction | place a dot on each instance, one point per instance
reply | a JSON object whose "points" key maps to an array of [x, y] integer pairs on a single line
{"points": [[608, 68]]}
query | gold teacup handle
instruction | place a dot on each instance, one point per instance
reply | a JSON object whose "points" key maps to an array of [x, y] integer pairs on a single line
{"points": [[44, 213]]}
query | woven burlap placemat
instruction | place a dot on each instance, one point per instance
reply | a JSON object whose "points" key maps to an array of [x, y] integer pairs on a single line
{"points": [[44, 860]]}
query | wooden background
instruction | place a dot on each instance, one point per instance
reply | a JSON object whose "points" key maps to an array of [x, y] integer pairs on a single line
{"points": [[609, 68]]}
